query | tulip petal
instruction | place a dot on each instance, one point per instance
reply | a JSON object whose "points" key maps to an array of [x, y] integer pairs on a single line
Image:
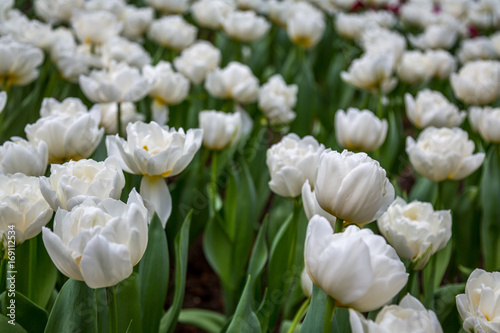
{"points": [[155, 190], [60, 255]]}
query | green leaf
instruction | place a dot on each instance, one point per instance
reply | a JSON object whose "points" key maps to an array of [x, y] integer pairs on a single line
{"points": [[129, 305], [153, 277], [259, 254], [244, 319], [169, 319], [207, 320], [313, 322], [217, 246], [391, 148], [442, 260], [29, 315], [444, 300], [341, 323], [6, 327], [424, 190]]}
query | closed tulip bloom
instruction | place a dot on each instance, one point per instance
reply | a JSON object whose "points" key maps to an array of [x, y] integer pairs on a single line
{"points": [[156, 152], [211, 13], [356, 267], [173, 32], [291, 162], [71, 183], [119, 83], [477, 82], [220, 130], [3, 100], [168, 87], [486, 121], [311, 205], [95, 27], [169, 6], [245, 26], [416, 67], [197, 60], [70, 106], [436, 36], [70, 137], [236, 81], [305, 24], [352, 187], [479, 48], [409, 316], [415, 230], [136, 21], [19, 62], [99, 242], [277, 99], [120, 49], [445, 63], [18, 155], [479, 307], [359, 130], [22, 206], [443, 153], [431, 108]]}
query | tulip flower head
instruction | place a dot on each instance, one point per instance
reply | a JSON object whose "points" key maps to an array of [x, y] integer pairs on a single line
{"points": [[197, 60], [236, 81], [220, 130], [19, 155], [486, 121]]}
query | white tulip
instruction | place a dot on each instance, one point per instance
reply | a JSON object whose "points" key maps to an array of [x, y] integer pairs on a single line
{"points": [[416, 67], [276, 100], [352, 26], [479, 307], [415, 230], [306, 283], [277, 11], [220, 130], [197, 60], [71, 106], [311, 205], [71, 183], [21, 156], [477, 82], [378, 40], [22, 207], [356, 267], [487, 122], [155, 152], [109, 119], [168, 87], [112, 6], [359, 130], [352, 187], [169, 6], [259, 6], [245, 26], [3, 100], [121, 49], [57, 11], [99, 242], [479, 48], [235, 81], [445, 63], [34, 32], [173, 32], [305, 24], [67, 137], [136, 21], [291, 162], [211, 13], [484, 14], [119, 83], [18, 62], [431, 108], [409, 316], [95, 27], [443, 153], [435, 36]]}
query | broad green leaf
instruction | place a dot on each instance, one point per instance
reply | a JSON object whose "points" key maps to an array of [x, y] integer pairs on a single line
{"points": [[169, 319], [391, 148], [341, 322], [27, 314], [6, 327], [245, 319], [217, 246], [424, 190], [128, 305], [313, 322], [209, 321], [259, 255], [444, 300], [153, 277]]}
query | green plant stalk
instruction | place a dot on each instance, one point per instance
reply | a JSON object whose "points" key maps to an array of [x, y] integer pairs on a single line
{"points": [[411, 278], [213, 182], [112, 311], [329, 312], [32, 266], [429, 288], [339, 224], [300, 314]]}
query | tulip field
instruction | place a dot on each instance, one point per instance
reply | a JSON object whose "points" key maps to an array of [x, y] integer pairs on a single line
{"points": [[249, 166]]}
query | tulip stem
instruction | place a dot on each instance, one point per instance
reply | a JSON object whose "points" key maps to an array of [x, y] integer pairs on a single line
{"points": [[113, 317], [338, 225], [119, 118], [32, 263], [213, 182], [300, 314], [329, 312], [409, 285], [429, 287]]}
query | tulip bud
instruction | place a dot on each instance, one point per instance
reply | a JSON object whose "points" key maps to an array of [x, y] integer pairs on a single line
{"points": [[305, 24], [220, 130], [486, 121], [356, 267]]}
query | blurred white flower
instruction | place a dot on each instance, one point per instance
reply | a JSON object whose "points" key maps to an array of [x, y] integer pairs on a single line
{"points": [[245, 26], [18, 62], [71, 183], [431, 108], [112, 6], [5, 7], [415, 230], [435, 36], [121, 49], [3, 100], [169, 6], [259, 6], [197, 60], [173, 32], [155, 152], [136, 21], [71, 106], [236, 81], [33, 32], [99, 242], [276, 100], [359, 130], [443, 153], [352, 187], [57, 11], [479, 48], [409, 316], [484, 14], [220, 130], [445, 63], [109, 111], [486, 121], [291, 162], [22, 206], [355, 267], [306, 283], [311, 205], [353, 25], [18, 155], [479, 307], [416, 67], [305, 24], [95, 27], [118, 83], [378, 40], [277, 11], [477, 82], [168, 87], [417, 13], [211, 13], [67, 137]]}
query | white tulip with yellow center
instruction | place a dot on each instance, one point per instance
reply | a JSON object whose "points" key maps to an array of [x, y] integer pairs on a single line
{"points": [[245, 26], [305, 24], [277, 99], [220, 130], [355, 267], [486, 121], [197, 60], [173, 32], [236, 81], [22, 206], [95, 27], [352, 187], [71, 183], [211, 13], [477, 82], [479, 307], [155, 152], [99, 242], [18, 155], [415, 230], [443, 153]]}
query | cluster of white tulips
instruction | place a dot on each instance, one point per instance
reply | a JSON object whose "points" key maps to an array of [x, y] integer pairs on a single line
{"points": [[130, 130]]}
